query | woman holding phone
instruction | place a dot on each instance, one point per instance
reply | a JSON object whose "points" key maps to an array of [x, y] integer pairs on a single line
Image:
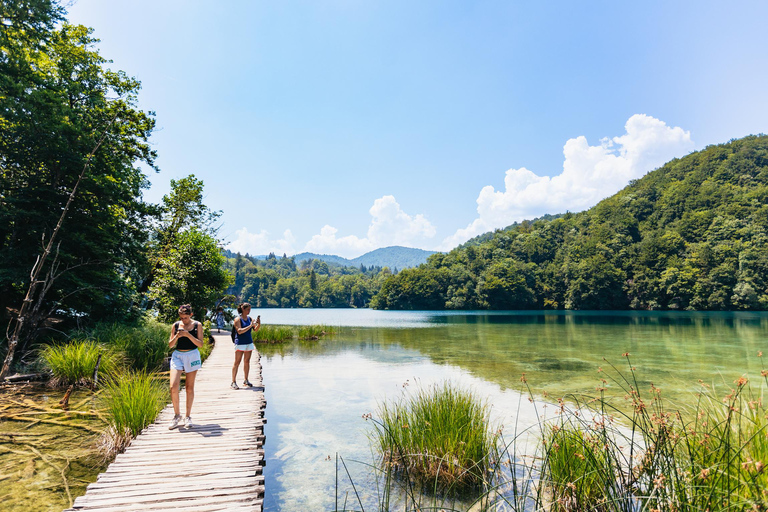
{"points": [[245, 326], [186, 337]]}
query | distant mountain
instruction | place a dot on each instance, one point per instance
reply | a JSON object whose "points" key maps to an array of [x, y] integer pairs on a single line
{"points": [[393, 257]]}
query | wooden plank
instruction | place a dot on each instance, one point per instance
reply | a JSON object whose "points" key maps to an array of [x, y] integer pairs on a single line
{"points": [[215, 465]]}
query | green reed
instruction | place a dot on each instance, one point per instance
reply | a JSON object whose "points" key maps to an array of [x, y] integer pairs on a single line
{"points": [[314, 332], [273, 334], [74, 362], [440, 434], [132, 401]]}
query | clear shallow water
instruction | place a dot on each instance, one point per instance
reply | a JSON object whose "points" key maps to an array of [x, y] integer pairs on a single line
{"points": [[318, 391]]}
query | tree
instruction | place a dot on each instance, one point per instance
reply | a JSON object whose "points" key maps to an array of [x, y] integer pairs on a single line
{"points": [[58, 103], [191, 272]]}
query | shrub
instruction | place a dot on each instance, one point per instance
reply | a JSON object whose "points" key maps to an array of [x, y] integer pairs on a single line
{"points": [[145, 345], [74, 362]]}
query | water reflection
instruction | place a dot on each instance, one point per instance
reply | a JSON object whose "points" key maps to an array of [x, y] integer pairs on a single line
{"points": [[318, 391]]}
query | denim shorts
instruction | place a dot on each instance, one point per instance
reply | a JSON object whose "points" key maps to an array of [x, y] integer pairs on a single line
{"points": [[245, 348], [186, 361]]}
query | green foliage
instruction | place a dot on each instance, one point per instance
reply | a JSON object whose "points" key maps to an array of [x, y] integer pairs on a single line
{"points": [[440, 434], [280, 282], [74, 362], [192, 272], [144, 344], [57, 99], [691, 235], [133, 401]]}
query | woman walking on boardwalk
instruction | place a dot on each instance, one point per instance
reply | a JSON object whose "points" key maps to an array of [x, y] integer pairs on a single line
{"points": [[187, 337], [245, 326]]}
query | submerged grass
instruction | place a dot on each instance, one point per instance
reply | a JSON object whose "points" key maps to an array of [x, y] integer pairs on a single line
{"points": [[441, 434], [133, 401], [74, 362]]}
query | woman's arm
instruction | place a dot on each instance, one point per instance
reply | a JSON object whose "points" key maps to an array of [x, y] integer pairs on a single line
{"points": [[257, 324], [241, 330], [174, 336]]}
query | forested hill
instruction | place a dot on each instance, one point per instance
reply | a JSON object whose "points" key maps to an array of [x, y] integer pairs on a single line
{"points": [[690, 235], [394, 257]]}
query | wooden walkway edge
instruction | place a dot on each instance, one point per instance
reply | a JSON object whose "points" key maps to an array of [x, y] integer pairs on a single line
{"points": [[215, 465]]}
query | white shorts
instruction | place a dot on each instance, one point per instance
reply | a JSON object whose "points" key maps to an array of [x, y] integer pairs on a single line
{"points": [[186, 361], [245, 348]]}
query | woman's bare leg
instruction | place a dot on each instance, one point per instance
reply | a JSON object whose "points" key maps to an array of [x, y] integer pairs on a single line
{"points": [[189, 388], [238, 358], [247, 363], [175, 380]]}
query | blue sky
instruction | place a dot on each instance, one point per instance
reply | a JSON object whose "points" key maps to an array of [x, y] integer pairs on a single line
{"points": [[342, 126]]}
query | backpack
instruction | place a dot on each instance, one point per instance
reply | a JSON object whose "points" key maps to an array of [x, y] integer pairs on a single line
{"points": [[234, 334]]}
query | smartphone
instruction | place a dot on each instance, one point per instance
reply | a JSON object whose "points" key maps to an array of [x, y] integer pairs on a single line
{"points": [[258, 318]]}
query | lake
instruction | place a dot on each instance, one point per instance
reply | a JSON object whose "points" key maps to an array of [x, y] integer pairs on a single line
{"points": [[318, 392]]}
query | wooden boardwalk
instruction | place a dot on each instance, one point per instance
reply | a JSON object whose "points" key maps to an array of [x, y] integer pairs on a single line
{"points": [[215, 465]]}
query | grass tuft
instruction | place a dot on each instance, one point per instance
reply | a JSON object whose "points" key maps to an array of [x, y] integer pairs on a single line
{"points": [[74, 362], [145, 345], [440, 434], [133, 401]]}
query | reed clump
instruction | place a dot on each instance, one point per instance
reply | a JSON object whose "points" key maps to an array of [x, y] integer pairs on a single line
{"points": [[441, 434], [273, 334], [314, 332], [74, 363], [132, 401]]}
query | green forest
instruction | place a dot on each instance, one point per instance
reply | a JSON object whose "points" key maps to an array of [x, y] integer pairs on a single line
{"points": [[78, 243], [691, 235], [281, 282]]}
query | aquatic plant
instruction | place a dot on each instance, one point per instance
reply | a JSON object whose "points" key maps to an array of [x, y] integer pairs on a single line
{"points": [[74, 363], [273, 334], [314, 332], [597, 454], [132, 401], [441, 433]]}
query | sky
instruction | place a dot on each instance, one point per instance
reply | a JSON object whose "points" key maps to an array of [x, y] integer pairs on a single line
{"points": [[341, 126]]}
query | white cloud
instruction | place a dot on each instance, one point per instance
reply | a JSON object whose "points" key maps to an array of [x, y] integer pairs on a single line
{"points": [[390, 225], [590, 173], [327, 243], [260, 243]]}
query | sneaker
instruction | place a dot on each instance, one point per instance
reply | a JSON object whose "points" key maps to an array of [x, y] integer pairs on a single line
{"points": [[174, 422], [234, 385], [247, 384], [187, 422]]}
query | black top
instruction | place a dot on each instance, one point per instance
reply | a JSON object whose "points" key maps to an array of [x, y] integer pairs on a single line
{"points": [[185, 344]]}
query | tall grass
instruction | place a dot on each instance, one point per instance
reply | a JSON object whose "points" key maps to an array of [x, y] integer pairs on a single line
{"points": [[132, 401], [314, 332], [75, 362], [145, 344], [440, 434], [273, 334]]}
